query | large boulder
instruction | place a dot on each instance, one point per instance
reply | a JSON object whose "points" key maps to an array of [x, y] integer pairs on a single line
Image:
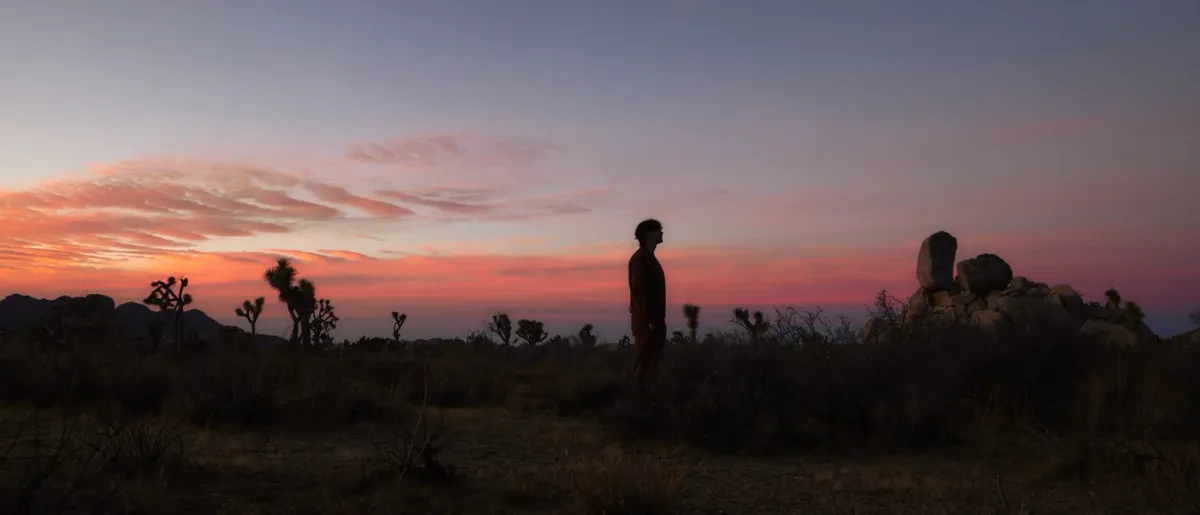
{"points": [[983, 274], [935, 262]]}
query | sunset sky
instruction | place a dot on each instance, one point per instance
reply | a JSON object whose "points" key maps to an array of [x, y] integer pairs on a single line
{"points": [[451, 158]]}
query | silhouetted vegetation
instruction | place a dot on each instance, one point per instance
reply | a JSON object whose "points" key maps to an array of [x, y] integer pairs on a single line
{"points": [[532, 331], [251, 312], [800, 383], [586, 337], [398, 320], [754, 327], [691, 313], [501, 326], [324, 321], [170, 301]]}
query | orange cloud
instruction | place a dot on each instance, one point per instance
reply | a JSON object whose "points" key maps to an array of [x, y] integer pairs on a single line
{"points": [[138, 210]]}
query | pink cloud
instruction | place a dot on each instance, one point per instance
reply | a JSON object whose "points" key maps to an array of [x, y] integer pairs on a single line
{"points": [[428, 151], [145, 208]]}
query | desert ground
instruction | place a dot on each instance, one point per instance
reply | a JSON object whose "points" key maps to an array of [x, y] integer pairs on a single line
{"points": [[1031, 422]]}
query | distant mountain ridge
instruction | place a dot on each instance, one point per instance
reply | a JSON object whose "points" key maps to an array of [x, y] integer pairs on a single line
{"points": [[19, 311]]}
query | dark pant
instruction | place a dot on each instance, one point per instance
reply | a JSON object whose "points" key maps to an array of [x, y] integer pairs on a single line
{"points": [[649, 339]]}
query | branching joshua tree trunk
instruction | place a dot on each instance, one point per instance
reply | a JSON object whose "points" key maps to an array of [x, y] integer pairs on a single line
{"points": [[398, 320], [299, 296], [307, 297], [742, 317], [282, 278], [324, 321], [169, 300], [251, 311], [501, 325]]}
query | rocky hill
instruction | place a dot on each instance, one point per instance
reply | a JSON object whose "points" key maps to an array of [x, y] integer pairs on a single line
{"points": [[983, 292], [129, 321]]}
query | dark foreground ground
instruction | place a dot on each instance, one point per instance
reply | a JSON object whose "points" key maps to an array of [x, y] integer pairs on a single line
{"points": [[950, 427]]}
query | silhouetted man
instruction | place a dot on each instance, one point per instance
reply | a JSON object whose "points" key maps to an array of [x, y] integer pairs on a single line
{"points": [[647, 302]]}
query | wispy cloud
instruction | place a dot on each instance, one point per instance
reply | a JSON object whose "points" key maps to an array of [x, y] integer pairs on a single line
{"points": [[501, 203], [431, 151], [139, 209]]}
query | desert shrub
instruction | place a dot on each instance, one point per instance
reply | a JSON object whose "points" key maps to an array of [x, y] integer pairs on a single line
{"points": [[139, 387], [615, 483], [948, 390], [236, 393]]}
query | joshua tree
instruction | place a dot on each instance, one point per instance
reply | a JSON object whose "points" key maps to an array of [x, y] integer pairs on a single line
{"points": [[624, 342], [282, 278], [324, 321], [586, 337], [501, 325], [251, 311], [691, 312], [532, 331], [398, 320], [1195, 317], [741, 316], [299, 296], [170, 300], [1114, 299], [306, 304]]}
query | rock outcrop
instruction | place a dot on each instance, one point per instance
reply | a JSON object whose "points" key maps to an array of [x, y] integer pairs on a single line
{"points": [[986, 295], [96, 317]]}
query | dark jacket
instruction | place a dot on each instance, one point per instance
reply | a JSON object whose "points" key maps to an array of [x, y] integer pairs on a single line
{"points": [[647, 286]]}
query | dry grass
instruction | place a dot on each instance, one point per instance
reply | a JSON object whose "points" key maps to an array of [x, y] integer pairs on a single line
{"points": [[930, 426]]}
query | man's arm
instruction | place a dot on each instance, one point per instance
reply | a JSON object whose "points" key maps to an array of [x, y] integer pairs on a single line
{"points": [[637, 285], [653, 291]]}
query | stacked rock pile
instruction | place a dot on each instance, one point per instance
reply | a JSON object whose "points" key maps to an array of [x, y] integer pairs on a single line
{"points": [[982, 291]]}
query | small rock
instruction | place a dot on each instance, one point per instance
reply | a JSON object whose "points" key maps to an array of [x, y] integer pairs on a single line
{"points": [[1020, 282]]}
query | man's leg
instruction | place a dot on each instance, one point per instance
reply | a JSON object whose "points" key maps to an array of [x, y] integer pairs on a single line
{"points": [[640, 331], [655, 344]]}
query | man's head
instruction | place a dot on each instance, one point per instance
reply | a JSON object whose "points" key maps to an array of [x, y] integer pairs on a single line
{"points": [[649, 233]]}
